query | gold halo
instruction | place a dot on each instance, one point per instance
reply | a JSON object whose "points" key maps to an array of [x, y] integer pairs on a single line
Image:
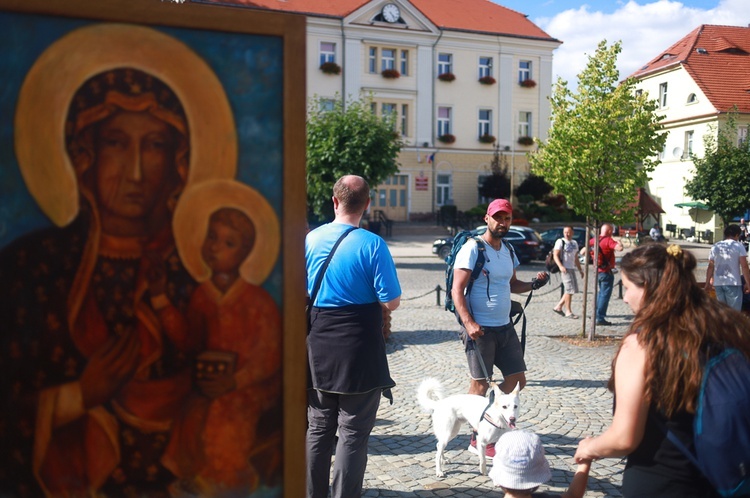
{"points": [[66, 64], [190, 224]]}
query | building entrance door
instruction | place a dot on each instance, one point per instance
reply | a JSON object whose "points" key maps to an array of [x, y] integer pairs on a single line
{"points": [[391, 197]]}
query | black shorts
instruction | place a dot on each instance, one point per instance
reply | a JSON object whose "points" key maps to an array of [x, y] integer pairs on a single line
{"points": [[499, 346]]}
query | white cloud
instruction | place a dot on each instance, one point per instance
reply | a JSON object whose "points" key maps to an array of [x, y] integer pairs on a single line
{"points": [[644, 29]]}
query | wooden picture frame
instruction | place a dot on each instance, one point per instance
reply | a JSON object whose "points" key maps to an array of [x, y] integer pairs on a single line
{"points": [[229, 84]]}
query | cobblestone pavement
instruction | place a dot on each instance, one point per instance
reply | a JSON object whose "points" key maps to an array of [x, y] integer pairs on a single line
{"points": [[565, 399]]}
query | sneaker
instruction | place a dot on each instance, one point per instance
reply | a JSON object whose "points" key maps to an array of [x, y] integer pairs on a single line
{"points": [[603, 322], [489, 450]]}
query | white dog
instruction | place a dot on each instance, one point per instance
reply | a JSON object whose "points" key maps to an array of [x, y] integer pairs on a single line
{"points": [[489, 416]]}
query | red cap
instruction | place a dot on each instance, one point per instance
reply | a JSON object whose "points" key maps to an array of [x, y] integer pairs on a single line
{"points": [[499, 205]]}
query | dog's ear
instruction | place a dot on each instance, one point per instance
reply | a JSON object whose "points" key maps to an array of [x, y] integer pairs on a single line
{"points": [[517, 389]]}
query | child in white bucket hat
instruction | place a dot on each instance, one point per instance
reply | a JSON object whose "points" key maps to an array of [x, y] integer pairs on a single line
{"points": [[520, 467]]}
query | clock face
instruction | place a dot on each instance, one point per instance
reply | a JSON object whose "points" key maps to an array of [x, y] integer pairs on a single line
{"points": [[391, 13]]}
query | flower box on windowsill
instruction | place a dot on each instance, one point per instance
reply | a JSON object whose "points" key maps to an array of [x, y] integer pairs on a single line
{"points": [[446, 77], [526, 141], [447, 138], [487, 139], [330, 68], [390, 73], [487, 80], [529, 83]]}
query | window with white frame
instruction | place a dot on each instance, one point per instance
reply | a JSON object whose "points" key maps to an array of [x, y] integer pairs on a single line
{"points": [[524, 71], [404, 63], [524, 124], [397, 111], [387, 59], [372, 62], [445, 63], [327, 105], [485, 122], [742, 135], [662, 95], [443, 121], [443, 189], [692, 99], [485, 66], [688, 143], [391, 111], [327, 52]]}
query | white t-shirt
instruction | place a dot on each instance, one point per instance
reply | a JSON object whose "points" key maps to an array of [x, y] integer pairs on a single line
{"points": [[568, 252], [726, 256], [489, 300]]}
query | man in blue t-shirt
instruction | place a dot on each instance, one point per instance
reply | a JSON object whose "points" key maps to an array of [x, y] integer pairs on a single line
{"points": [[486, 329], [345, 345]]}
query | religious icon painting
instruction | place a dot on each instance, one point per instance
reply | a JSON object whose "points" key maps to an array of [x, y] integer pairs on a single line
{"points": [[151, 159]]}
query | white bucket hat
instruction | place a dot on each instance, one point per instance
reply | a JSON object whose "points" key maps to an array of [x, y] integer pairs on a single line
{"points": [[519, 461]]}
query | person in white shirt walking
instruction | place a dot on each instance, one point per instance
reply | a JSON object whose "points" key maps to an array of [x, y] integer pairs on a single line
{"points": [[565, 253], [727, 261]]}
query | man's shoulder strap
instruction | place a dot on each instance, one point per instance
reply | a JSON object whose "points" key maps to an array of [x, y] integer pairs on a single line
{"points": [[510, 248], [481, 258]]}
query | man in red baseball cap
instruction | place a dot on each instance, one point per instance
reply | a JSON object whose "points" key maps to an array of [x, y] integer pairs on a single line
{"points": [[486, 330]]}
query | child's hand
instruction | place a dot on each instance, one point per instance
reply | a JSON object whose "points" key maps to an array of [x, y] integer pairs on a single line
{"points": [[217, 386]]}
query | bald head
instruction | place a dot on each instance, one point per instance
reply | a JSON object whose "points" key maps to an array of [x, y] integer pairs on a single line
{"points": [[352, 192], [606, 230]]}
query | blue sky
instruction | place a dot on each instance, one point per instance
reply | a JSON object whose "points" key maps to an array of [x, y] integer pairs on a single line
{"points": [[645, 27]]}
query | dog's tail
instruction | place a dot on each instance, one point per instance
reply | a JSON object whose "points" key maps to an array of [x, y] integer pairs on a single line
{"points": [[429, 392]]}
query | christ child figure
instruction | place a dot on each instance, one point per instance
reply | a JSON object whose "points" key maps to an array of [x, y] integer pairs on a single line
{"points": [[238, 373]]}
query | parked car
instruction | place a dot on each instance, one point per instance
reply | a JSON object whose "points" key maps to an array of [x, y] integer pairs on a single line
{"points": [[525, 241], [549, 237]]}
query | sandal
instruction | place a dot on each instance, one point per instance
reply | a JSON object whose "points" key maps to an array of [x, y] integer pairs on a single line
{"points": [[559, 312], [572, 316]]}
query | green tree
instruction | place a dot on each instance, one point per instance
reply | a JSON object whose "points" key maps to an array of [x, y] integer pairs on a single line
{"points": [[350, 139], [602, 144], [722, 175]]}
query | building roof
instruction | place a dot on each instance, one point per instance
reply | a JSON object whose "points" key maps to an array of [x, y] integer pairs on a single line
{"points": [[718, 60], [474, 16]]}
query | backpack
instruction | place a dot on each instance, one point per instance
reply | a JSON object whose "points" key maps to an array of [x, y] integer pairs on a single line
{"points": [[549, 261], [458, 241], [721, 427]]}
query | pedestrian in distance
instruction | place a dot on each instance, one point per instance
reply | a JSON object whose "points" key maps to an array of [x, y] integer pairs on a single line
{"points": [[487, 333], [727, 263], [604, 272], [346, 350], [656, 234], [658, 370], [520, 467], [565, 253]]}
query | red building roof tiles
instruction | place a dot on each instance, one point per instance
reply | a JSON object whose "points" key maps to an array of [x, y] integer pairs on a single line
{"points": [[718, 60]]}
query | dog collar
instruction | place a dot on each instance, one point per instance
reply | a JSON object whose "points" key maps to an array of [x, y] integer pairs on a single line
{"points": [[489, 419]]}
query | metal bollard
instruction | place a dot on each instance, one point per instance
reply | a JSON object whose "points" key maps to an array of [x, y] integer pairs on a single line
{"points": [[619, 287], [437, 290]]}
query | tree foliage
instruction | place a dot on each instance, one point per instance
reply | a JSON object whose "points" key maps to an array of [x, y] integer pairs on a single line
{"points": [[350, 139], [722, 175], [534, 186], [601, 145], [496, 185], [602, 142]]}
